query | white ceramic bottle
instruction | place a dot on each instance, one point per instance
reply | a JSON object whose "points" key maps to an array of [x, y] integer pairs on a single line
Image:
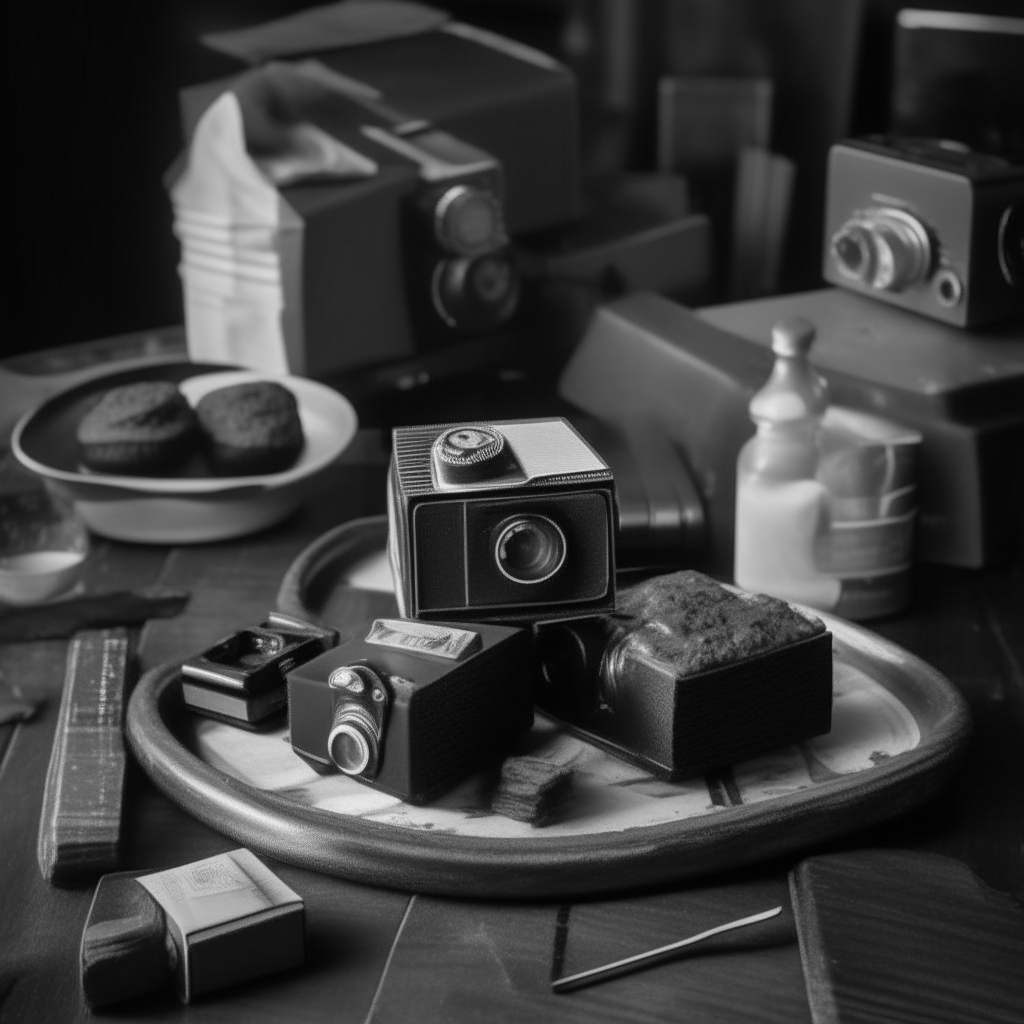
{"points": [[781, 508]]}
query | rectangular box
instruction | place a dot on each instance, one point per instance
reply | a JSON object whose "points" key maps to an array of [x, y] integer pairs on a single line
{"points": [[425, 717]]}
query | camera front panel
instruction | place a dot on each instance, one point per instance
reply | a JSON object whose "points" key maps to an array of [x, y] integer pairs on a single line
{"points": [[548, 552], [931, 239]]}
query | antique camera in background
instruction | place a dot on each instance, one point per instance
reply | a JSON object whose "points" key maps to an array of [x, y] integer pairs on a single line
{"points": [[414, 707], [474, 141], [927, 225], [510, 521]]}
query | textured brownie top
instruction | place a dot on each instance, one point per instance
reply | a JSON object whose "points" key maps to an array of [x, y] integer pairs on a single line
{"points": [[137, 413], [697, 624], [251, 415]]}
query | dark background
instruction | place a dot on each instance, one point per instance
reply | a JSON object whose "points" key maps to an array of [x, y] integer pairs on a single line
{"points": [[93, 121]]}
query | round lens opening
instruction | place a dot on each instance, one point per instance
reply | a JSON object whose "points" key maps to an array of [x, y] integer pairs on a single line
{"points": [[349, 749], [850, 253], [529, 549]]}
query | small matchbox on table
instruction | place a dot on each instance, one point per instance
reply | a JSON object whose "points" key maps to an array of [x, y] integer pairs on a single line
{"points": [[206, 925], [241, 678]]}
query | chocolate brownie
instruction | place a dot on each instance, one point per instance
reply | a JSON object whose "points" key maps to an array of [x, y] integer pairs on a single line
{"points": [[251, 428], [145, 429], [694, 623]]}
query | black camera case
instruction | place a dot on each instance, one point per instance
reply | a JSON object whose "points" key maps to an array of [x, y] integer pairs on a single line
{"points": [[441, 712]]}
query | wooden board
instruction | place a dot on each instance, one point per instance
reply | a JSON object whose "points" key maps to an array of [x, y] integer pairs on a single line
{"points": [[898, 728], [892, 935], [80, 823]]}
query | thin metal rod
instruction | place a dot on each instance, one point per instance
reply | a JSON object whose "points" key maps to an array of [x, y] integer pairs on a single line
{"points": [[631, 963]]}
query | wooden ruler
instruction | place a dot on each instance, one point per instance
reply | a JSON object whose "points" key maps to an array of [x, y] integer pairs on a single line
{"points": [[80, 825]]}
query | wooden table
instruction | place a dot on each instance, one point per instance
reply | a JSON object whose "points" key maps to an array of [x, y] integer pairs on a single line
{"points": [[381, 956]]}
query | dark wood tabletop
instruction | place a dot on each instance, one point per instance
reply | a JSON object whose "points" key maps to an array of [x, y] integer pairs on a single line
{"points": [[380, 955]]}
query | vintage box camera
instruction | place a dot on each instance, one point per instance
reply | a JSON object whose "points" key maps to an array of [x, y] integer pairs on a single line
{"points": [[373, 271], [509, 521], [684, 678], [241, 679], [927, 225], [414, 707], [412, 258]]}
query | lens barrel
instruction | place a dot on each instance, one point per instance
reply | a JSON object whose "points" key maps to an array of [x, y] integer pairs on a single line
{"points": [[354, 740], [529, 548]]}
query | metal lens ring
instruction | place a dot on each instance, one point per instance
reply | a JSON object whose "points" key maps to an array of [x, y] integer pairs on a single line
{"points": [[886, 248], [353, 741], [469, 446], [475, 293], [467, 221], [529, 548]]}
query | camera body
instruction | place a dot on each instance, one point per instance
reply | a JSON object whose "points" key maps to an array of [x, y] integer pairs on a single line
{"points": [[928, 226], [681, 681], [512, 521], [414, 707], [407, 261], [241, 678]]}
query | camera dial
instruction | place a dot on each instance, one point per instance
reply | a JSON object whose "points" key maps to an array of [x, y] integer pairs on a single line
{"points": [[885, 248], [529, 549], [475, 293], [467, 221], [469, 454], [360, 705]]}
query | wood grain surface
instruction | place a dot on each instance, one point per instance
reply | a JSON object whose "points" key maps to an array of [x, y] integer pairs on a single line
{"points": [[894, 937], [80, 822], [376, 955]]}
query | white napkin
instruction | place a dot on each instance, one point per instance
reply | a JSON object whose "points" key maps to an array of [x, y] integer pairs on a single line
{"points": [[232, 221]]}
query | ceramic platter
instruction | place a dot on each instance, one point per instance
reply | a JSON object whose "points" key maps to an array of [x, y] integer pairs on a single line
{"points": [[898, 726], [192, 505]]}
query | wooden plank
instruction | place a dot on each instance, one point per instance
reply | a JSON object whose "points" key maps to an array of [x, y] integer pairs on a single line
{"points": [[889, 936], [80, 822]]}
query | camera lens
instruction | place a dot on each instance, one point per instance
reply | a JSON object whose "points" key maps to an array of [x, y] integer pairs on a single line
{"points": [[475, 293], [467, 221], [353, 741], [529, 549], [886, 248], [1011, 245]]}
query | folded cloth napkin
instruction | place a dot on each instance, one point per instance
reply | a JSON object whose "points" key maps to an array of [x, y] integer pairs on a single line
{"points": [[330, 27], [229, 217]]}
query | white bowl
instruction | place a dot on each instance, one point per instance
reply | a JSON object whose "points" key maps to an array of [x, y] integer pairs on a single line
{"points": [[181, 509]]}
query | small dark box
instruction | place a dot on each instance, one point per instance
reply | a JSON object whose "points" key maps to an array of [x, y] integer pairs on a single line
{"points": [[241, 679], [414, 707], [620, 681]]}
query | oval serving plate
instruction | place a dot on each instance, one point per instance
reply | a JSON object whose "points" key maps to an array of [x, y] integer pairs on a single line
{"points": [[192, 505], [898, 726]]}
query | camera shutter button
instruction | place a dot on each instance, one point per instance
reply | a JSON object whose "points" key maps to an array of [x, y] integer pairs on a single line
{"points": [[467, 454]]}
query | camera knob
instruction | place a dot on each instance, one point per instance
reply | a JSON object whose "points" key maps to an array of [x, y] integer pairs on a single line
{"points": [[465, 455], [468, 221], [476, 293], [886, 249]]}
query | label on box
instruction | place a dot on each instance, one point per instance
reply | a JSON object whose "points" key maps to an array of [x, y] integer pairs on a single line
{"points": [[219, 889], [423, 638]]}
